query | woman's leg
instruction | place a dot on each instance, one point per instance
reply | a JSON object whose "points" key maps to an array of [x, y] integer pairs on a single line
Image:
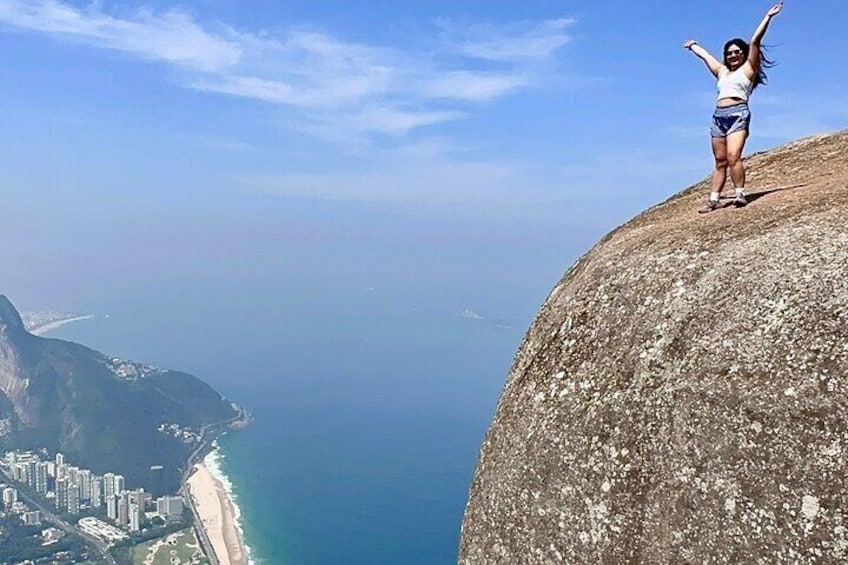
{"points": [[720, 173], [735, 145]]}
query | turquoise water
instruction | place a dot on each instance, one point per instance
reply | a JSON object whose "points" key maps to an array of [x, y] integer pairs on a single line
{"points": [[369, 408]]}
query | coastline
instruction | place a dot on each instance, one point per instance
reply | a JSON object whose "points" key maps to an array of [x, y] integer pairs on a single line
{"points": [[219, 515], [207, 490], [50, 326]]}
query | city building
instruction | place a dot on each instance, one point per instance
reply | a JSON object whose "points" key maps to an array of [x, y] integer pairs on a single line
{"points": [[73, 498], [32, 465], [22, 472], [112, 507], [169, 507], [72, 472], [61, 494], [96, 492], [72, 489], [102, 530], [136, 515], [120, 484], [109, 485], [85, 484], [10, 496], [32, 518], [41, 478], [51, 535], [123, 512]]}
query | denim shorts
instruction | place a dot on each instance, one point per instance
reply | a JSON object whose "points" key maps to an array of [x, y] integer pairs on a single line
{"points": [[731, 119]]}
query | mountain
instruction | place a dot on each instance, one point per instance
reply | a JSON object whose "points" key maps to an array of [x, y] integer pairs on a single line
{"points": [[103, 413], [682, 396]]}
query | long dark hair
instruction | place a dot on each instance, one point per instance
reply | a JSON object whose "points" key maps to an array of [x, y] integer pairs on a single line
{"points": [[765, 62]]}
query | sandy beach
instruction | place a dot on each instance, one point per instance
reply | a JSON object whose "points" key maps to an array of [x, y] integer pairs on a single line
{"points": [[217, 515], [43, 329]]}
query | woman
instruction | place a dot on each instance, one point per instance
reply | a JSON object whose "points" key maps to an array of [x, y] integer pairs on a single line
{"points": [[738, 75]]}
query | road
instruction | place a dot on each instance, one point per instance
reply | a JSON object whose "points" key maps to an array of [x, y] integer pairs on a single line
{"points": [[205, 543]]}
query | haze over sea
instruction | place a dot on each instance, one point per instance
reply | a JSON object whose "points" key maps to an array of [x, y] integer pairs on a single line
{"points": [[370, 402]]}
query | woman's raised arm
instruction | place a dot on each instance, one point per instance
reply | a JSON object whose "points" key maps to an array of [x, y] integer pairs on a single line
{"points": [[711, 62], [759, 33]]}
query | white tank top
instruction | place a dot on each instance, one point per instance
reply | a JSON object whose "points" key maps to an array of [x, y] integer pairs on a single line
{"points": [[734, 84]]}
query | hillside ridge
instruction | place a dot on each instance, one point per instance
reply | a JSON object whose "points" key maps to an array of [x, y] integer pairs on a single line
{"points": [[101, 412]]}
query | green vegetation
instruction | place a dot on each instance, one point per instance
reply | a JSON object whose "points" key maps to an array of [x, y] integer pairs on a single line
{"points": [[19, 542], [124, 551], [154, 533], [182, 545]]}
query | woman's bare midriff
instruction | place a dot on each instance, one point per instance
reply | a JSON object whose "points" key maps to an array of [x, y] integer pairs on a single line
{"points": [[725, 102]]}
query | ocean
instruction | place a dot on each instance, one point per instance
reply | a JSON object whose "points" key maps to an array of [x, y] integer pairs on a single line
{"points": [[369, 405]]}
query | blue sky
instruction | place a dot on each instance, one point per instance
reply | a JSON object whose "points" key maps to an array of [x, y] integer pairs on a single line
{"points": [[197, 136]]}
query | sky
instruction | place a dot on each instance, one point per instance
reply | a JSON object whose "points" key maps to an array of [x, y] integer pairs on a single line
{"points": [[472, 143]]}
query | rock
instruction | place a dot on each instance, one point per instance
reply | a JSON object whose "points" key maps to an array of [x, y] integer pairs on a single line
{"points": [[682, 395]]}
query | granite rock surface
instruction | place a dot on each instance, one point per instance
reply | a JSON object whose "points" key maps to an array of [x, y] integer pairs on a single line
{"points": [[682, 396]]}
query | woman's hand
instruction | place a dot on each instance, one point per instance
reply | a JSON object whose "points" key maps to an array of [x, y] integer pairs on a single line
{"points": [[775, 10], [689, 44]]}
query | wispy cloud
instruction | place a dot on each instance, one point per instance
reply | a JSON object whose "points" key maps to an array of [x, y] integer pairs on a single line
{"points": [[474, 86], [172, 36], [528, 41], [396, 121], [368, 88], [352, 129]]}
